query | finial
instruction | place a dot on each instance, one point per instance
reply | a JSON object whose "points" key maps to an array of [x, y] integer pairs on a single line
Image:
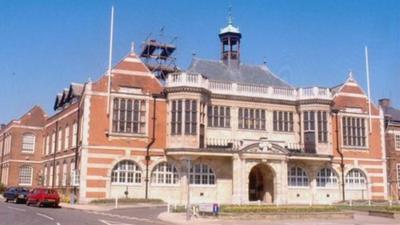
{"points": [[230, 15], [133, 47], [351, 75]]}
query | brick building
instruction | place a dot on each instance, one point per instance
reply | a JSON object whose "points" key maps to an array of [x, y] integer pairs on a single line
{"points": [[236, 132], [21, 149], [392, 137]]}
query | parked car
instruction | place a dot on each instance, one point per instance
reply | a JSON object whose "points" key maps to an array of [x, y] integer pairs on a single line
{"points": [[17, 194], [43, 197]]}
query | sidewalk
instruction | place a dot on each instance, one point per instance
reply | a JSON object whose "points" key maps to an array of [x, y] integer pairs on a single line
{"points": [[180, 218], [107, 207]]}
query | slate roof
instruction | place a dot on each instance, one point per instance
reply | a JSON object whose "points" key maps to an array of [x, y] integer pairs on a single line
{"points": [[250, 74], [394, 113]]}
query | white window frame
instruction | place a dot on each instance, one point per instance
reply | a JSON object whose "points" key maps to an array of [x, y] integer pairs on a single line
{"points": [[28, 175], [53, 142], [355, 181], [327, 178], [398, 174], [165, 173], [66, 138], [28, 143], [397, 141], [301, 180], [130, 171], [59, 140], [199, 171], [64, 175], [74, 134], [57, 176], [45, 173]]}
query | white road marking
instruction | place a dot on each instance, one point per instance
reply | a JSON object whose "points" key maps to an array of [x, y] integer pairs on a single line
{"points": [[58, 223], [45, 216], [108, 222], [18, 209]]}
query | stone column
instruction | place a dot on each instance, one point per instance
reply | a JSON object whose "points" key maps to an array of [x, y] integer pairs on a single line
{"points": [[237, 180], [282, 184]]}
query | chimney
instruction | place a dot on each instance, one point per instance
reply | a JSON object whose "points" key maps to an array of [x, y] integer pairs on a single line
{"points": [[384, 102]]}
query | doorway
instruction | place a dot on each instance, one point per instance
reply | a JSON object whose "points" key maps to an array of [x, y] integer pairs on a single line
{"points": [[261, 184]]}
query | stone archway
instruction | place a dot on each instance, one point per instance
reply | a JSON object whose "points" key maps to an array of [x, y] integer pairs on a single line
{"points": [[261, 183]]}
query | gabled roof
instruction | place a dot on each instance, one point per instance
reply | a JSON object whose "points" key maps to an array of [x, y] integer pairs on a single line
{"points": [[57, 102], [251, 74]]}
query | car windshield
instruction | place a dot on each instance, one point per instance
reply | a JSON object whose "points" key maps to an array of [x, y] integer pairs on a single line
{"points": [[23, 189]]}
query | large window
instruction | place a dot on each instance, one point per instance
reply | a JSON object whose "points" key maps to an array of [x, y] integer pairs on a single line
{"points": [[48, 150], [322, 127], [45, 173], [354, 132], [164, 173], [176, 117], [25, 175], [355, 178], [219, 116], [126, 172], [53, 142], [190, 116], [326, 177], [297, 177], [28, 143], [253, 119], [129, 116], [283, 121], [397, 141], [201, 174]]}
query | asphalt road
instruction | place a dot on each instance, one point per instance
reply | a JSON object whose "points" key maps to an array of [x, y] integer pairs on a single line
{"points": [[20, 214]]}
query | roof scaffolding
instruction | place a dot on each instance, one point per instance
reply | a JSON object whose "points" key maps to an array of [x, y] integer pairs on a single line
{"points": [[158, 57]]}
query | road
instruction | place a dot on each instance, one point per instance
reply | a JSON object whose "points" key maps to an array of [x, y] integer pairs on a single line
{"points": [[20, 214]]}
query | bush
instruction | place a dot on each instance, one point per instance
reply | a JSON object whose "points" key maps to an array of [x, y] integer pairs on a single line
{"points": [[126, 201], [2, 188]]}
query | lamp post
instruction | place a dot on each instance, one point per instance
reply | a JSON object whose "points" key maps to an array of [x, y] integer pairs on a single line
{"points": [[335, 111]]}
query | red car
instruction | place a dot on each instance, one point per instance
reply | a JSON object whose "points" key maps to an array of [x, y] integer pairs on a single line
{"points": [[42, 197]]}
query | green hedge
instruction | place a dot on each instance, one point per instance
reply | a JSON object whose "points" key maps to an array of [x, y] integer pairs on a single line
{"points": [[276, 209]]}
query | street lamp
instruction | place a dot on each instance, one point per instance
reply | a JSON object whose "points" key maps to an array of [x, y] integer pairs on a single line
{"points": [[336, 112]]}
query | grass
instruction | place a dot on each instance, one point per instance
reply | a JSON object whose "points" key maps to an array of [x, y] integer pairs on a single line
{"points": [[126, 201]]}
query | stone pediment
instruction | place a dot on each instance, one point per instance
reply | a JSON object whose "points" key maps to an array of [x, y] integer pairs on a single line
{"points": [[264, 146]]}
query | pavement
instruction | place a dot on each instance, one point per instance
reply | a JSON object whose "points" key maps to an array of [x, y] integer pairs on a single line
{"points": [[20, 214]]}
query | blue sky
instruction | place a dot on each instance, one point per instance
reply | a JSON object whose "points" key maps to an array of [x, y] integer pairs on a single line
{"points": [[45, 45]]}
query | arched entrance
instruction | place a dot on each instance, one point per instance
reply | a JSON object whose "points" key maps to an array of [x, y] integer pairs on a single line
{"points": [[261, 184]]}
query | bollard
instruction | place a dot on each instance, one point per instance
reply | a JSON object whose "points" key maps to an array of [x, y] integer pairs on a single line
{"points": [[175, 206], [351, 202], [116, 202], [390, 203], [168, 208], [258, 202], [369, 202]]}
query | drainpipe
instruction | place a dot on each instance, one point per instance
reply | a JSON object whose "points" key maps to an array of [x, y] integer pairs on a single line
{"points": [[2, 156], [153, 139], [78, 122], [336, 112], [54, 155]]}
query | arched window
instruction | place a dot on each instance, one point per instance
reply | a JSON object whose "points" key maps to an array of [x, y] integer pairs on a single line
{"points": [[355, 178], [28, 143], [297, 177], [201, 174], [164, 173], [25, 175], [326, 177], [126, 172]]}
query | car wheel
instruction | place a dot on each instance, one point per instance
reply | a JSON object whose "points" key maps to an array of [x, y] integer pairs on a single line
{"points": [[7, 199], [27, 203], [38, 204], [17, 201]]}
